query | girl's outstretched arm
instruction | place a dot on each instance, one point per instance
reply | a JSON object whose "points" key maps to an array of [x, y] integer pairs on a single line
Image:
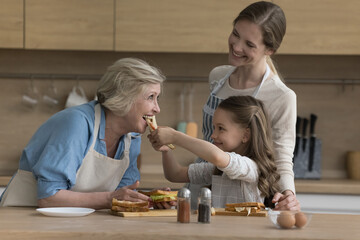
{"points": [[201, 148]]}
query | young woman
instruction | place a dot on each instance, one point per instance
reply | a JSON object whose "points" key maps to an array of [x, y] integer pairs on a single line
{"points": [[242, 150], [257, 34]]}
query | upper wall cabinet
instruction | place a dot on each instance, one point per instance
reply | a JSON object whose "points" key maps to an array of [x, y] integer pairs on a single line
{"points": [[69, 24], [321, 27], [11, 24], [200, 26]]}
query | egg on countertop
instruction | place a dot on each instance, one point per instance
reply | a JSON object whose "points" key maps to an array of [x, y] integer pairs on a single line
{"points": [[300, 219], [286, 220]]}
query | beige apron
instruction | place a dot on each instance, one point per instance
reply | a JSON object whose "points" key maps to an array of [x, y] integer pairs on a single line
{"points": [[97, 173]]}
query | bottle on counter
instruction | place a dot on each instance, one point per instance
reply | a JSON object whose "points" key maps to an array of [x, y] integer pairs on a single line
{"points": [[183, 205], [204, 207]]}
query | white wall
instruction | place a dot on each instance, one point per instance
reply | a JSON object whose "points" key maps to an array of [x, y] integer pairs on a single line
{"points": [[328, 203]]}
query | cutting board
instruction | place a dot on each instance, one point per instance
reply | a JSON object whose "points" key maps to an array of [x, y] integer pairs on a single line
{"points": [[151, 213], [221, 211]]}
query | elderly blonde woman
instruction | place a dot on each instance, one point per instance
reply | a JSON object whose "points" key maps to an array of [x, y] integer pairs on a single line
{"points": [[86, 155]]}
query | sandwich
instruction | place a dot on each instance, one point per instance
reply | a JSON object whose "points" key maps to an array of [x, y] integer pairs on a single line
{"points": [[151, 122], [246, 208], [127, 206], [161, 195]]}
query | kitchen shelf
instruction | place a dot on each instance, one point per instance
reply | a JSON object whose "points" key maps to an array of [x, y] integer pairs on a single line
{"points": [[323, 186]]}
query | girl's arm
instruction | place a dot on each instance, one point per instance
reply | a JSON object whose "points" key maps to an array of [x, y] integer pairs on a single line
{"points": [[201, 148], [173, 171]]}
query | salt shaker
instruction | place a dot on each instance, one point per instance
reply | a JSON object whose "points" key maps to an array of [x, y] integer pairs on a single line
{"points": [[204, 208], [183, 205]]}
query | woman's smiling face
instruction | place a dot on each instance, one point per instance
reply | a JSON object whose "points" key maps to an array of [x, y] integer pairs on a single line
{"points": [[246, 44], [145, 105]]}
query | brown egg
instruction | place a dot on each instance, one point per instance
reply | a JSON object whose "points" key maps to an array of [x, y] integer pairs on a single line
{"points": [[300, 219], [286, 219]]}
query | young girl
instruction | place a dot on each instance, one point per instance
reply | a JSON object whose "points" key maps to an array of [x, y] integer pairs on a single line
{"points": [[242, 153]]}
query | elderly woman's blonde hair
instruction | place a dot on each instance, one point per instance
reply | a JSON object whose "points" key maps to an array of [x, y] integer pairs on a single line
{"points": [[124, 81]]}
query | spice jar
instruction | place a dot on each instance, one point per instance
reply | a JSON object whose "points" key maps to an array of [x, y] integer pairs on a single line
{"points": [[204, 208], [183, 205]]}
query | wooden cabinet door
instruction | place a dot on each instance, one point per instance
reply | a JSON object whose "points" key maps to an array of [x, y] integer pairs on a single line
{"points": [[197, 26], [321, 26], [69, 24], [11, 24]]}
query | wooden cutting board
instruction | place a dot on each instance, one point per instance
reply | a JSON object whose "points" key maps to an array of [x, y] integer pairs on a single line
{"points": [[151, 213], [221, 211]]}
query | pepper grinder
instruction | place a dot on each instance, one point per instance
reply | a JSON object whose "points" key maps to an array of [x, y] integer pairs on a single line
{"points": [[204, 208], [183, 205]]}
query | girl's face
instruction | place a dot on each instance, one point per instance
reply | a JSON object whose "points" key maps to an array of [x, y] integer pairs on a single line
{"points": [[145, 105], [228, 135], [246, 45]]}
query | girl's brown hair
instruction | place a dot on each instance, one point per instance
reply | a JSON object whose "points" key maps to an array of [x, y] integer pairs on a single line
{"points": [[250, 113], [272, 22]]}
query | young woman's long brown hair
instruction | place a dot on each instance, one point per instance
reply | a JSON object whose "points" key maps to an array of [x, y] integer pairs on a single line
{"points": [[249, 112]]}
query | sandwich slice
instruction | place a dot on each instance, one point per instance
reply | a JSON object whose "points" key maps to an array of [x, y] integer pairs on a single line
{"points": [[247, 208], [161, 195], [151, 122], [127, 206]]}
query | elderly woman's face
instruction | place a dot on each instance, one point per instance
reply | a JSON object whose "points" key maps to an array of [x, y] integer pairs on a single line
{"points": [[145, 104]]}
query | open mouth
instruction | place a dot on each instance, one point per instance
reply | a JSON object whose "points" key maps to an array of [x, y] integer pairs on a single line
{"points": [[151, 121], [238, 55]]}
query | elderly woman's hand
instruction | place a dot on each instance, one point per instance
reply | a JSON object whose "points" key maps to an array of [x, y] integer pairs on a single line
{"points": [[286, 201], [128, 194]]}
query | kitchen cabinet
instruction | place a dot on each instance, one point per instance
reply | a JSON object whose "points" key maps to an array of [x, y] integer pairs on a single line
{"points": [[201, 26], [69, 24], [313, 27], [11, 24], [321, 27]]}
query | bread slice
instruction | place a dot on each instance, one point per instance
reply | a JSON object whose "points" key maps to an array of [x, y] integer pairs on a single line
{"points": [[129, 209], [127, 206], [246, 207], [245, 204], [161, 195]]}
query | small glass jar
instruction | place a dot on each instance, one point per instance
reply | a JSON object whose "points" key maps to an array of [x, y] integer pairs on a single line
{"points": [[183, 205], [204, 207]]}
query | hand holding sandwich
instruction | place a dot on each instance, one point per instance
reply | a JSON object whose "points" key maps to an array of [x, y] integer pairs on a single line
{"points": [[128, 194], [162, 198]]}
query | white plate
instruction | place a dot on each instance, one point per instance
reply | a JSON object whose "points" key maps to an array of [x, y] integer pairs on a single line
{"points": [[65, 211]]}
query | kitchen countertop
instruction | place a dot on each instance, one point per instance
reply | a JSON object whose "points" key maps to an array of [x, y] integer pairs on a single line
{"points": [[326, 186], [26, 223]]}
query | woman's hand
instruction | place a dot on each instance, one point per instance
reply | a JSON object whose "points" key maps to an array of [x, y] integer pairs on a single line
{"points": [[286, 201], [127, 193], [164, 205]]}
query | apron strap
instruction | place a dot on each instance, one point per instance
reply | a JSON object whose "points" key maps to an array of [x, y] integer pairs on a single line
{"points": [[97, 109], [267, 73]]}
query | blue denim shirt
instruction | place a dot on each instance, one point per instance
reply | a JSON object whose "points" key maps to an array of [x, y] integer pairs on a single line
{"points": [[57, 149]]}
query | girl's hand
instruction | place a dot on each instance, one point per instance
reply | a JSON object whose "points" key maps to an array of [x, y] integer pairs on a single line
{"points": [[161, 137]]}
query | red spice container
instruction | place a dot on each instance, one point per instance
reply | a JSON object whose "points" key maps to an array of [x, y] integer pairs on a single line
{"points": [[183, 205]]}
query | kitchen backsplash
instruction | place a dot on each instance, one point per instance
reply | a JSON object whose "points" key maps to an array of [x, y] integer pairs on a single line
{"points": [[335, 105]]}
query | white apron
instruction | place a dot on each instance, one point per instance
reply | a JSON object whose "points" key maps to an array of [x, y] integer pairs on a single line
{"points": [[208, 113], [97, 173]]}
